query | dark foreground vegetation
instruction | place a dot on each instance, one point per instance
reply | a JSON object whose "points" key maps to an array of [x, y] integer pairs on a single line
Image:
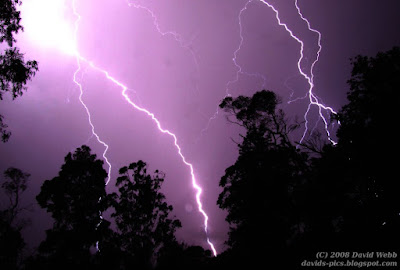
{"points": [[285, 201]]}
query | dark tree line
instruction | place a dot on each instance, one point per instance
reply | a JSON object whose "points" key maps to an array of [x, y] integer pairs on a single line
{"points": [[285, 201], [11, 240], [259, 190], [81, 237], [285, 204]]}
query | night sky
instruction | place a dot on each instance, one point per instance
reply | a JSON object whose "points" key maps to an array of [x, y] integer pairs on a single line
{"points": [[176, 58]]}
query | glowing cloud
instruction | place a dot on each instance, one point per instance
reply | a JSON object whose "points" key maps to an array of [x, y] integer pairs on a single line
{"points": [[47, 24]]}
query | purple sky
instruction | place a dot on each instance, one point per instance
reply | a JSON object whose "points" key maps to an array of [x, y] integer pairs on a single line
{"points": [[181, 82]]}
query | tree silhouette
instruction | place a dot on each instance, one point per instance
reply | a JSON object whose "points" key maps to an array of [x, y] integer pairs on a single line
{"points": [[142, 216], [258, 190], [348, 197], [75, 198], [11, 241], [354, 181], [4, 133], [9, 21], [14, 71], [181, 257], [13, 187], [365, 134], [11, 244]]}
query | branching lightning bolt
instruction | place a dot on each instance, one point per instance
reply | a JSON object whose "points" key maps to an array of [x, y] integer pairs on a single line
{"points": [[124, 88], [78, 59], [239, 69], [313, 99], [309, 78]]}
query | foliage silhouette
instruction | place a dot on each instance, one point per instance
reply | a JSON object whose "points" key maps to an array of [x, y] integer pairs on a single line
{"points": [[181, 257], [353, 183], [345, 198], [15, 185], [283, 204], [11, 244], [259, 189], [14, 71], [142, 216], [9, 21], [4, 133], [11, 241], [75, 198]]}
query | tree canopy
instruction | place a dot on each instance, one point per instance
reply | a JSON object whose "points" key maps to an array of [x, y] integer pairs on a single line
{"points": [[284, 203], [11, 224], [142, 216], [354, 182], [81, 236], [258, 190], [15, 72], [76, 199]]}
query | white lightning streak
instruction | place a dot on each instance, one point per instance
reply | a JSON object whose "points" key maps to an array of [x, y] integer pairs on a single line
{"points": [[148, 113]]}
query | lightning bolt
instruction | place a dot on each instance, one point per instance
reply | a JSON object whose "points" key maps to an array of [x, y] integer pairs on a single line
{"points": [[239, 69], [78, 60], [176, 36], [124, 94], [313, 99]]}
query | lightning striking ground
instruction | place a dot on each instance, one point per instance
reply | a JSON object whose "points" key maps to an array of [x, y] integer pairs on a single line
{"points": [[124, 88]]}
